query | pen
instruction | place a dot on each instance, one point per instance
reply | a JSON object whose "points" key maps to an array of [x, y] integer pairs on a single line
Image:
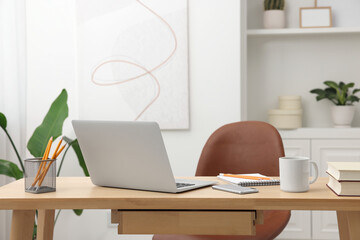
{"points": [[245, 176]]}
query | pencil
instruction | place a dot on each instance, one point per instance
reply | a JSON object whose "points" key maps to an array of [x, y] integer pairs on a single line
{"points": [[46, 153], [43, 174], [46, 156], [58, 153], [56, 149], [48, 146]]}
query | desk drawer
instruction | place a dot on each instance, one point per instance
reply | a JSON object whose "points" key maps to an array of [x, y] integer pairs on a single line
{"points": [[186, 222]]}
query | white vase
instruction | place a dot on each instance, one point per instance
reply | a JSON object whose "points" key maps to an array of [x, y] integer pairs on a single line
{"points": [[342, 116], [274, 19]]}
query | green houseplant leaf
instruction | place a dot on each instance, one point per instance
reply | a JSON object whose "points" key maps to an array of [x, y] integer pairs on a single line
{"points": [[350, 85], [10, 169], [356, 90], [75, 145], [3, 121], [318, 91], [51, 126], [332, 84], [81, 160], [337, 93], [78, 212], [353, 98], [274, 4], [3, 125]]}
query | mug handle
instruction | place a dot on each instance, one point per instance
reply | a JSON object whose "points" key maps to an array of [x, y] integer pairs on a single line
{"points": [[314, 178]]}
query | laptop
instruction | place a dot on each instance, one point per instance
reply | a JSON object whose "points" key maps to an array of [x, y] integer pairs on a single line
{"points": [[129, 155]]}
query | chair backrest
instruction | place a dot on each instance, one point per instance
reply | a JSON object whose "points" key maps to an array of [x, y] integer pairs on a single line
{"points": [[242, 147]]}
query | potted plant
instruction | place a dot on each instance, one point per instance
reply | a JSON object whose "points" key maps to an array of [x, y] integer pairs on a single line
{"points": [[274, 14], [343, 98], [51, 126]]}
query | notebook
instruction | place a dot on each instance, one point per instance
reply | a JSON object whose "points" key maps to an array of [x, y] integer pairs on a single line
{"points": [[249, 182]]}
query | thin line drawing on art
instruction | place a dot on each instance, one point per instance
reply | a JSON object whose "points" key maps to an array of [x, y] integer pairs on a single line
{"points": [[146, 71]]}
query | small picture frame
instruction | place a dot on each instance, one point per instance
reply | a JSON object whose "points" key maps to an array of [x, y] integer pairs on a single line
{"points": [[315, 17]]}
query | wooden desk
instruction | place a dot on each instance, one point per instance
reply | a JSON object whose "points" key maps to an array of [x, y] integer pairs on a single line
{"points": [[80, 193]]}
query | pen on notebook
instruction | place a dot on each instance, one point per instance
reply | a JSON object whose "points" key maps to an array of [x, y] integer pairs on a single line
{"points": [[245, 176]]}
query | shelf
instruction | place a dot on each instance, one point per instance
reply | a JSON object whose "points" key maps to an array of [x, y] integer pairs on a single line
{"points": [[321, 133], [302, 31]]}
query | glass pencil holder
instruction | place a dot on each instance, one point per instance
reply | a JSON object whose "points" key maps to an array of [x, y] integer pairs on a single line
{"points": [[40, 175]]}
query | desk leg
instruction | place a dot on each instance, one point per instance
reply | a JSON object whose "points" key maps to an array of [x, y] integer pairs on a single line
{"points": [[22, 224], [348, 223], [45, 228]]}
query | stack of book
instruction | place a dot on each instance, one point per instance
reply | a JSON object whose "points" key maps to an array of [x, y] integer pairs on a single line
{"points": [[344, 178]]}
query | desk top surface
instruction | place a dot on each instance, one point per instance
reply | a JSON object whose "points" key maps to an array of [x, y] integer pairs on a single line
{"points": [[80, 193]]}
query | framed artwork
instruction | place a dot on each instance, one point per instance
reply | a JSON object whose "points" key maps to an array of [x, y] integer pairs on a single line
{"points": [[133, 61], [317, 17]]}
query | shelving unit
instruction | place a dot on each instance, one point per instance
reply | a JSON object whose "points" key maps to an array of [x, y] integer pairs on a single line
{"points": [[276, 60], [292, 61], [302, 31], [321, 133]]}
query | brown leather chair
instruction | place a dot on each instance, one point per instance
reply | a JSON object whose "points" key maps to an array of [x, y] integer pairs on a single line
{"points": [[242, 147]]}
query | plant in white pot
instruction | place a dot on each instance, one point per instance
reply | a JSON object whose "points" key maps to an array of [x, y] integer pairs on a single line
{"points": [[340, 94], [274, 14]]}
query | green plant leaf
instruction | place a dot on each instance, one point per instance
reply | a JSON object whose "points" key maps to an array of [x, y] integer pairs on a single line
{"points": [[51, 126], [3, 121], [78, 212], [317, 91], [330, 90], [353, 98], [35, 232], [350, 85], [78, 152], [356, 90], [10, 169], [345, 90], [337, 93], [342, 85], [320, 97], [342, 98], [75, 145], [332, 84], [274, 4], [330, 93]]}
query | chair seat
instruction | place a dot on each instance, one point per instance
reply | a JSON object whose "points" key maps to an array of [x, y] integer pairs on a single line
{"points": [[274, 223], [243, 147]]}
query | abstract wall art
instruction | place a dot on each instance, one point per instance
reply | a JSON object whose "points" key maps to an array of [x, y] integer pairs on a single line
{"points": [[133, 61]]}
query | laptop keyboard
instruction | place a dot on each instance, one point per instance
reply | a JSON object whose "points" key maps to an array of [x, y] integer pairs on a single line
{"points": [[180, 185]]}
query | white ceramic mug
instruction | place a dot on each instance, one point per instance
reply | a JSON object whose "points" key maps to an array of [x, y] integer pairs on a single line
{"points": [[295, 173]]}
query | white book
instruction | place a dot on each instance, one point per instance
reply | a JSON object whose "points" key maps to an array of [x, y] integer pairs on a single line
{"points": [[344, 171], [344, 188]]}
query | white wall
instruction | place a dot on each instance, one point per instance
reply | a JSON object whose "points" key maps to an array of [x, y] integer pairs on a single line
{"points": [[214, 55]]}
